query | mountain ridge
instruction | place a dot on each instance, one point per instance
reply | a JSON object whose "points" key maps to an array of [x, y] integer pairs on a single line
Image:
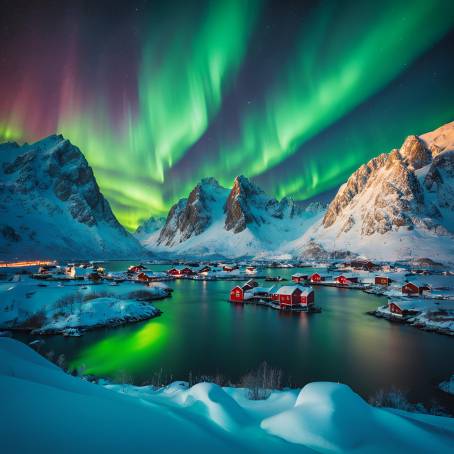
{"points": [[51, 205]]}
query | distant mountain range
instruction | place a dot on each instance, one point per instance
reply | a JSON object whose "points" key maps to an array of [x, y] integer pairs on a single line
{"points": [[51, 206], [242, 221], [399, 205]]}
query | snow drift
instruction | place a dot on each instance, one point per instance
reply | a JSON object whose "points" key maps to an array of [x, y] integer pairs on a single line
{"points": [[46, 410]]}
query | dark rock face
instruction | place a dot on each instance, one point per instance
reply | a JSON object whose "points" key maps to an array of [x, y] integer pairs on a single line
{"points": [[414, 152], [245, 203], [191, 216]]}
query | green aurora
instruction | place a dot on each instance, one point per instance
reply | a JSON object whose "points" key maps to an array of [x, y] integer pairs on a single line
{"points": [[325, 80], [329, 95]]}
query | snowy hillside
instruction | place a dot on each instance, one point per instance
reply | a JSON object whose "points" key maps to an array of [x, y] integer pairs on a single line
{"points": [[150, 226], [46, 410], [51, 206], [398, 205], [244, 221]]}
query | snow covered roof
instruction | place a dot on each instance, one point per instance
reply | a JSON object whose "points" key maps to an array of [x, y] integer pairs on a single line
{"points": [[289, 289]]}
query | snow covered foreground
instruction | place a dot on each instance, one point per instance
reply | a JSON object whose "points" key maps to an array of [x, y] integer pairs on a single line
{"points": [[45, 410]]}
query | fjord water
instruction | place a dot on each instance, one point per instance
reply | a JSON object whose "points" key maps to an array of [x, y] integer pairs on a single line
{"points": [[201, 333]]}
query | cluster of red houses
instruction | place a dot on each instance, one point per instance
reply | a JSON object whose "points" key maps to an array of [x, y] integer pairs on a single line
{"points": [[181, 272], [299, 278], [288, 296]]}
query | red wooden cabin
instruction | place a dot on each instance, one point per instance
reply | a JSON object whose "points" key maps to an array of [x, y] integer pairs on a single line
{"points": [[289, 295], [382, 280], [316, 277], [136, 268], [395, 309], [307, 296], [298, 277], [346, 280], [412, 289], [237, 293]]}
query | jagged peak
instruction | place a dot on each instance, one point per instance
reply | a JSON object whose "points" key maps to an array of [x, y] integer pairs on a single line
{"points": [[242, 185], [415, 153]]}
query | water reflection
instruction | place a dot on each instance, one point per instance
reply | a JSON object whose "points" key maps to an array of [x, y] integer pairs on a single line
{"points": [[122, 351], [200, 333]]}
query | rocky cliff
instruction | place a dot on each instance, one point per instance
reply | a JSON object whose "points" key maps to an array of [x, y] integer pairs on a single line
{"points": [[51, 205], [241, 221], [399, 203]]}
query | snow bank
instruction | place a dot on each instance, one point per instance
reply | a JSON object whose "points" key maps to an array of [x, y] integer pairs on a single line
{"points": [[99, 312], [64, 308], [324, 417]]}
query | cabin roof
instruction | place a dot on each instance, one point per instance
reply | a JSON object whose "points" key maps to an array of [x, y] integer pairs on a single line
{"points": [[289, 289]]}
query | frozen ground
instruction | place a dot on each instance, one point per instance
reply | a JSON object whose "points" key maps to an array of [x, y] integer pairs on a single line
{"points": [[73, 306], [46, 410]]}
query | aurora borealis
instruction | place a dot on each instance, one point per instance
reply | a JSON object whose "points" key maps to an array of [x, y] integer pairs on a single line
{"points": [[157, 95]]}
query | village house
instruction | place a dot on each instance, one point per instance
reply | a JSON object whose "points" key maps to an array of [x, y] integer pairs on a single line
{"points": [[180, 272], [307, 297], [237, 293], [316, 277], [294, 295], [411, 289], [136, 268], [398, 309], [382, 280], [298, 277], [343, 280]]}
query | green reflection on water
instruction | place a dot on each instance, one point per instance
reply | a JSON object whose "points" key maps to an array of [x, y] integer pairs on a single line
{"points": [[123, 351]]}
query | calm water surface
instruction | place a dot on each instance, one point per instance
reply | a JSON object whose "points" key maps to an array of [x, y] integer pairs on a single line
{"points": [[201, 333]]}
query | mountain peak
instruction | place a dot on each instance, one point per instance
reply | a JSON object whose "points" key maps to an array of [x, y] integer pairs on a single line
{"points": [[51, 183], [415, 153]]}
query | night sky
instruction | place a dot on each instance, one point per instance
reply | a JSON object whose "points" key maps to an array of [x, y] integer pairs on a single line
{"points": [[295, 94]]}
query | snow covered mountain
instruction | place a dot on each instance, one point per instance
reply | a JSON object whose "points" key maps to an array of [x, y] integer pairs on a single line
{"points": [[150, 226], [51, 206], [398, 205], [216, 221]]}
